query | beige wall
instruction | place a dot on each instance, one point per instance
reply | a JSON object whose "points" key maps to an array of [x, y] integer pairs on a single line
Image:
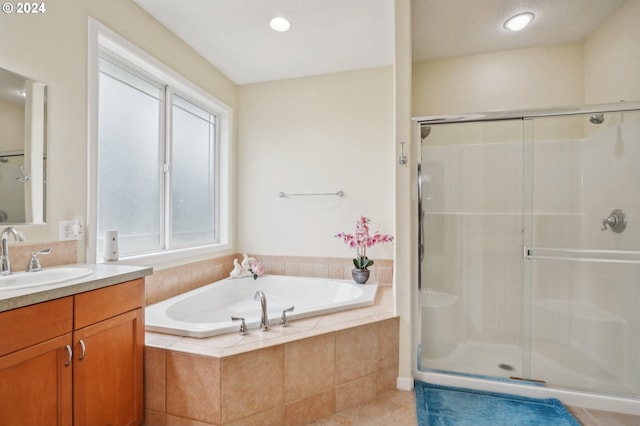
{"points": [[405, 270], [315, 135], [612, 58], [514, 79], [52, 47]]}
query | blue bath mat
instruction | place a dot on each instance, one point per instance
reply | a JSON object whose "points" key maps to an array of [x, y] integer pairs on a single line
{"points": [[447, 406]]}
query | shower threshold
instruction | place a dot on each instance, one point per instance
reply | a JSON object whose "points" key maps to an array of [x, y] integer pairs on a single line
{"points": [[489, 359]]}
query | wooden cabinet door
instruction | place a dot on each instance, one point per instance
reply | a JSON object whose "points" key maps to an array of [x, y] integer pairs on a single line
{"points": [[108, 371], [35, 384]]}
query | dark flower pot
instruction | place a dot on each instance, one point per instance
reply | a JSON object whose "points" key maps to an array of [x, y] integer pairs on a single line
{"points": [[360, 275]]}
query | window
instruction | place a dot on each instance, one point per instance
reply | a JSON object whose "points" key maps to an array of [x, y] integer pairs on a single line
{"points": [[193, 186], [160, 154]]}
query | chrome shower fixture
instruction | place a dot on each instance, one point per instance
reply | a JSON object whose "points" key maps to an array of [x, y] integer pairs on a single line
{"points": [[617, 221], [597, 118], [402, 159], [424, 132]]}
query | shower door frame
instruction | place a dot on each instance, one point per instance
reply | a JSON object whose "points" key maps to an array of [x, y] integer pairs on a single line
{"points": [[570, 396]]}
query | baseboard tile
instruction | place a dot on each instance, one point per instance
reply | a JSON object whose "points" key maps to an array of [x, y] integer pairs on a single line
{"points": [[404, 383]]}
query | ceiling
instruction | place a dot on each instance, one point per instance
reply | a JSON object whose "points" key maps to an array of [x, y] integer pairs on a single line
{"points": [[340, 35]]}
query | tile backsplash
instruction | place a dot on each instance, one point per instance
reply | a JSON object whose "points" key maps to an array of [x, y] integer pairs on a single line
{"points": [[62, 253], [170, 282]]}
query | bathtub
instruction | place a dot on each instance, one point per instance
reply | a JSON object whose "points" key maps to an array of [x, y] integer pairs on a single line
{"points": [[207, 311]]}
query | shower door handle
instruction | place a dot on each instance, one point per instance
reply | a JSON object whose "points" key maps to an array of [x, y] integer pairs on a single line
{"points": [[420, 217], [420, 227], [631, 257]]}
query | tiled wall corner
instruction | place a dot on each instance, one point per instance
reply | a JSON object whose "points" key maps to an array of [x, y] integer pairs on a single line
{"points": [[388, 339], [384, 271], [366, 362], [166, 283], [389, 358], [154, 387], [324, 267], [387, 379]]}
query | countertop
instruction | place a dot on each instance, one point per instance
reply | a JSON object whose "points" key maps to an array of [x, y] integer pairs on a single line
{"points": [[103, 275]]}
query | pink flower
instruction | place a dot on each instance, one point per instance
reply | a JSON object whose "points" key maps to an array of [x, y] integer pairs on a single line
{"points": [[361, 241], [257, 269]]}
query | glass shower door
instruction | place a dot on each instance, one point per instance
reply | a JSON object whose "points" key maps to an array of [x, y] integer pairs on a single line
{"points": [[472, 269], [583, 250]]}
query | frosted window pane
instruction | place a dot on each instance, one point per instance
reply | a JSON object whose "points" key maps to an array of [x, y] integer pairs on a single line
{"points": [[129, 164], [192, 175]]}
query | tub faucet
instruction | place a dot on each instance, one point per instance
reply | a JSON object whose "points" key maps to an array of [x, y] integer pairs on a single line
{"points": [[5, 262], [264, 320]]}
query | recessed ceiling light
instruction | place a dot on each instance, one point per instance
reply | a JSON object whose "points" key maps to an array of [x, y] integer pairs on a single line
{"points": [[280, 24], [518, 22]]}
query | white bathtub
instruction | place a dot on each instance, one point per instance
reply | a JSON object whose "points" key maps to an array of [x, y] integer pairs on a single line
{"points": [[207, 311]]}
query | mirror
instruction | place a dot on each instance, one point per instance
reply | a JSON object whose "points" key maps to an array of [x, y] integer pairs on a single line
{"points": [[23, 151]]}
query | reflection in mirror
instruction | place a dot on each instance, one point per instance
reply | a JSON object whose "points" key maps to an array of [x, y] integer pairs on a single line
{"points": [[22, 149]]}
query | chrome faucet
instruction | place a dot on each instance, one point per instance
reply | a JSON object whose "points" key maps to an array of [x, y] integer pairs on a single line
{"points": [[264, 320], [5, 262], [34, 264]]}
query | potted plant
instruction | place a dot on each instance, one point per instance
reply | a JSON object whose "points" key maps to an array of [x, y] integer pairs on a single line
{"points": [[361, 241]]}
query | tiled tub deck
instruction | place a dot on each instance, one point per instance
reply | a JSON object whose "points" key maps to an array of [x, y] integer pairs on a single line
{"points": [[285, 376]]}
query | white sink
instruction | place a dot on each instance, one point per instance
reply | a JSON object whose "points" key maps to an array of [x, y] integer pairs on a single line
{"points": [[47, 276]]}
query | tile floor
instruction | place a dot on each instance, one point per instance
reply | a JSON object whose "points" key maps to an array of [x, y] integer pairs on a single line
{"points": [[589, 417], [397, 408]]}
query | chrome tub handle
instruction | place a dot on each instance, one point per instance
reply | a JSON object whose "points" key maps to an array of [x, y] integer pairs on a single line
{"points": [[243, 326], [284, 321]]}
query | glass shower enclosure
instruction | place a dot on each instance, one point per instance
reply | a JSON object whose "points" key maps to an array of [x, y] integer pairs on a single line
{"points": [[529, 229]]}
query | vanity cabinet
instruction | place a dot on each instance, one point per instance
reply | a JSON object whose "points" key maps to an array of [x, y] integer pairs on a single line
{"points": [[36, 365], [108, 341], [76, 360]]}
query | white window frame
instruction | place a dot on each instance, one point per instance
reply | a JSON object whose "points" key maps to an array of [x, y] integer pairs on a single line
{"points": [[102, 38]]}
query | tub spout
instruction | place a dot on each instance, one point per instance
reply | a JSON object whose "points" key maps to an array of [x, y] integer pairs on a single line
{"points": [[264, 320]]}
